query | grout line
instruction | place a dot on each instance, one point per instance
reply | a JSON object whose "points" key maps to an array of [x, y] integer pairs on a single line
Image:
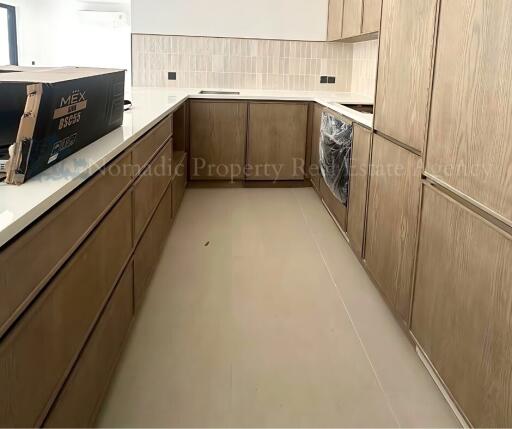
{"points": [[340, 295]]}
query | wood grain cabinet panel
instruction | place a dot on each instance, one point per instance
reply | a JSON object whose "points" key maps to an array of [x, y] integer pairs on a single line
{"points": [[393, 205], [179, 184], [146, 148], [277, 141], [335, 20], [352, 18], [26, 267], [371, 15], [336, 207], [148, 250], [405, 69], [462, 314], [314, 168], [218, 132], [358, 187], [80, 399], [149, 188], [37, 354], [470, 135]]}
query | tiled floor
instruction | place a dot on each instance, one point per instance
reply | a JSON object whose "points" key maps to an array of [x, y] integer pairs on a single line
{"points": [[272, 324]]}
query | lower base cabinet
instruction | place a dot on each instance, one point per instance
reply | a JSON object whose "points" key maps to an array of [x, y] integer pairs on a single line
{"points": [[149, 248], [462, 311], [393, 209], [179, 183], [358, 187], [335, 206], [314, 168], [80, 399]]}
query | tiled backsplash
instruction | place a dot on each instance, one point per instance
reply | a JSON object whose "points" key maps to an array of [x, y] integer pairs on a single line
{"points": [[208, 62], [364, 67]]}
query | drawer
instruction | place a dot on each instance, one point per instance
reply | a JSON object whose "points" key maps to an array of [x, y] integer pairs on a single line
{"points": [[179, 183], [149, 188], [148, 145], [37, 354], [337, 209], [80, 399], [149, 248], [29, 262]]}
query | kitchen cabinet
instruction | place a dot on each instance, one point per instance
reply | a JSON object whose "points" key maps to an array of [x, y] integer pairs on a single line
{"points": [[393, 206], [358, 187], [148, 250], [335, 19], [276, 145], [335, 206], [218, 131], [352, 18], [179, 184], [469, 145], [316, 126], [462, 306], [37, 353], [80, 399], [145, 149], [404, 70], [371, 15], [149, 188]]}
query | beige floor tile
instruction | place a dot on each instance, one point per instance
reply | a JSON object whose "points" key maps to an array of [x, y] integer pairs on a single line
{"points": [[250, 331]]}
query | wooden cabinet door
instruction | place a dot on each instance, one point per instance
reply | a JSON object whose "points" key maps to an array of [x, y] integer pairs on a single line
{"points": [[334, 20], [218, 131], [277, 141], [371, 15], [404, 71], [315, 147], [470, 137], [80, 399], [37, 354], [358, 187], [393, 205], [462, 307], [352, 18]]}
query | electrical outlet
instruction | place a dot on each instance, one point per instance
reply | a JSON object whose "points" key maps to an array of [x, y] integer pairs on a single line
{"points": [[331, 79], [323, 79], [171, 76]]}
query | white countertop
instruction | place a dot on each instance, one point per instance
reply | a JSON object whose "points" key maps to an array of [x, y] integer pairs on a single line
{"points": [[21, 205]]}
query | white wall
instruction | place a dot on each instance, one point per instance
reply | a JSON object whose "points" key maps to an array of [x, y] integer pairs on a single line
{"points": [[263, 19], [73, 33]]}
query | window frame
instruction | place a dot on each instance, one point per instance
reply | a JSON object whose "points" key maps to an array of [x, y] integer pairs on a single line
{"points": [[12, 33]]}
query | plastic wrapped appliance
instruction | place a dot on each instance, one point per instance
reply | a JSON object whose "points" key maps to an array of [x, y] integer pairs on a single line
{"points": [[335, 154]]}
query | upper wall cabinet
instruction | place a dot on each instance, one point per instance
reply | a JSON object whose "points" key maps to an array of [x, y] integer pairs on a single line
{"points": [[334, 20], [405, 69], [353, 20], [471, 118], [371, 15]]}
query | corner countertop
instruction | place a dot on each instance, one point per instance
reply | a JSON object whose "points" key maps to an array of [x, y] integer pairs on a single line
{"points": [[22, 205]]}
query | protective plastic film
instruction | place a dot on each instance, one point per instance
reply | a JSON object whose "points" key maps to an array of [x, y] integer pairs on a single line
{"points": [[335, 155]]}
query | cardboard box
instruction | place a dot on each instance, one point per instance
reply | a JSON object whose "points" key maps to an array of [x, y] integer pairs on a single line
{"points": [[48, 114]]}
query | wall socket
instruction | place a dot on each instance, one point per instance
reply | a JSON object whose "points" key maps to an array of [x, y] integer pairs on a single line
{"points": [[323, 79], [327, 79], [171, 76]]}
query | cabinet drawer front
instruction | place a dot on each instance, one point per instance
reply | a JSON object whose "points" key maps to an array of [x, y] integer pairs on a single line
{"points": [[81, 397], [393, 206], [338, 210], [179, 183], [462, 307], [149, 248], [149, 188], [358, 187], [148, 145], [277, 141], [218, 133], [35, 256], [37, 354]]}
